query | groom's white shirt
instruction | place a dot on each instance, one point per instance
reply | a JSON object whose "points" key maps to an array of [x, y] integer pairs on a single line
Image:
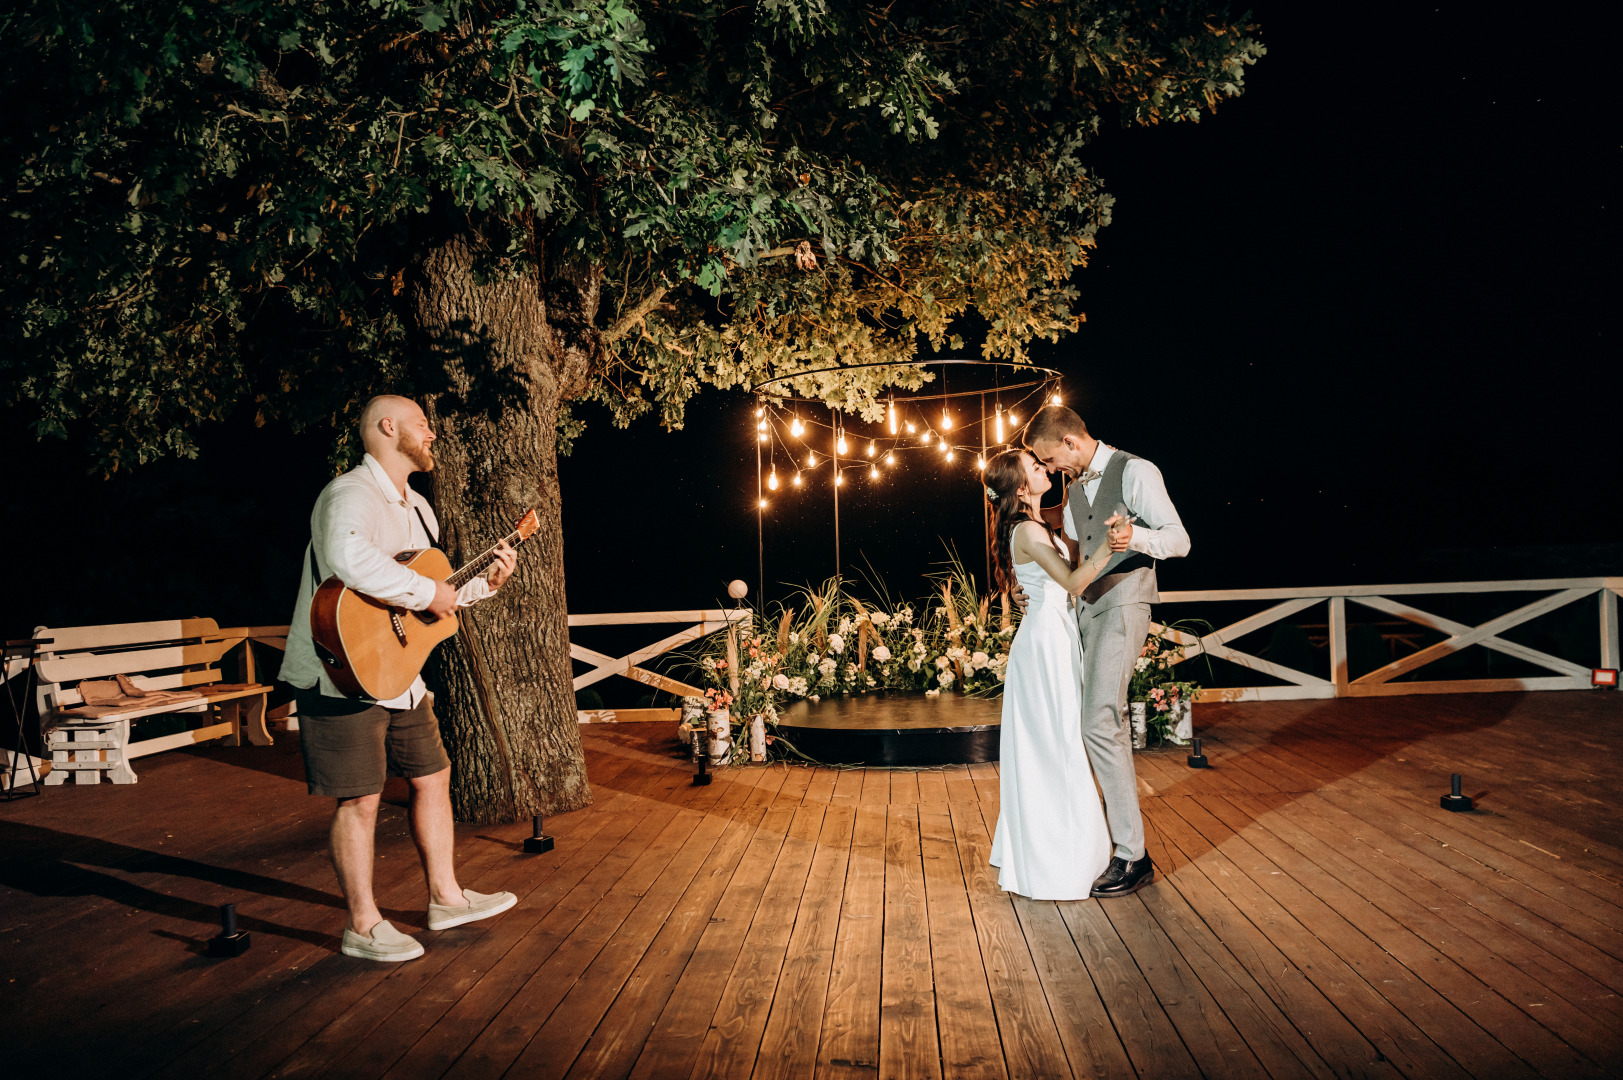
{"points": [[1158, 532]]}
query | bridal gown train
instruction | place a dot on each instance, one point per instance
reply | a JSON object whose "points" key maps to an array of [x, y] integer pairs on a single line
{"points": [[1051, 840]]}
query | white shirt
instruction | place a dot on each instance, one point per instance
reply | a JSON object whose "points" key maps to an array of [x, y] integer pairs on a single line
{"points": [[358, 525], [1158, 532]]}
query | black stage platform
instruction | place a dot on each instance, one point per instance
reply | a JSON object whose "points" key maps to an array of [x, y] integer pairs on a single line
{"points": [[895, 729]]}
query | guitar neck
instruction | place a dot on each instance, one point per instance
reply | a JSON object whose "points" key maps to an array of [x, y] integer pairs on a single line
{"points": [[481, 562]]}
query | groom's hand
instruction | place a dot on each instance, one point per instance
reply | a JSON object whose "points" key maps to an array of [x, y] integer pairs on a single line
{"points": [[1018, 595], [1121, 534]]}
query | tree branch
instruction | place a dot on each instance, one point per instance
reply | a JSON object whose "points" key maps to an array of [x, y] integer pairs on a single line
{"points": [[640, 311]]}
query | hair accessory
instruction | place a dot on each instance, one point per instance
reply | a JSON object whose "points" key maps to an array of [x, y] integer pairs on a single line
{"points": [[991, 496]]}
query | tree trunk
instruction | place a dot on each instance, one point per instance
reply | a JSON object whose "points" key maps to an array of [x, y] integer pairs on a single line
{"points": [[501, 357]]}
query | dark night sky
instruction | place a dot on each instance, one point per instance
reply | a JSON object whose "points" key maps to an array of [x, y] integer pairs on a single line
{"points": [[1359, 317]]}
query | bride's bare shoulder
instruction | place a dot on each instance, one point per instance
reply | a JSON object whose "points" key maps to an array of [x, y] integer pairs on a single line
{"points": [[1027, 536]]}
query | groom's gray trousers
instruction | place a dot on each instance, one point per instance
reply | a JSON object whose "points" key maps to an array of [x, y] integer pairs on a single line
{"points": [[1113, 633]]}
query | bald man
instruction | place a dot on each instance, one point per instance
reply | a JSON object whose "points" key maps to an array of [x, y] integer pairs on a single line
{"points": [[352, 745]]}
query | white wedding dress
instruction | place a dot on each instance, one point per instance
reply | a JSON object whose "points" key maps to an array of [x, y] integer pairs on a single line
{"points": [[1051, 840]]}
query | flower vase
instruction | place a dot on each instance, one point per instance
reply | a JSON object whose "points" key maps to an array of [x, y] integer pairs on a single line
{"points": [[720, 724], [757, 737], [1182, 727], [1138, 715]]}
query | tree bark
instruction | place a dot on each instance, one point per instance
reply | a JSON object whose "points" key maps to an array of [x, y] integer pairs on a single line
{"points": [[501, 356]]}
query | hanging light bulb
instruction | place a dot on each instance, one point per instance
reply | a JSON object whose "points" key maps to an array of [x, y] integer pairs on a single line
{"points": [[949, 455], [926, 438], [1056, 400], [890, 458], [772, 480], [980, 462], [811, 461], [910, 428], [763, 504], [873, 472], [760, 437], [797, 479], [946, 420], [840, 446], [893, 416], [760, 425], [796, 428], [838, 479], [760, 412], [1014, 420], [871, 448], [998, 428]]}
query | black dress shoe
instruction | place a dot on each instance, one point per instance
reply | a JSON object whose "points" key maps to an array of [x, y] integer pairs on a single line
{"points": [[1123, 878]]}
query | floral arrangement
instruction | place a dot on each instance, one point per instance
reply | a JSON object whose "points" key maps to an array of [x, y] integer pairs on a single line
{"points": [[831, 642], [1154, 684]]}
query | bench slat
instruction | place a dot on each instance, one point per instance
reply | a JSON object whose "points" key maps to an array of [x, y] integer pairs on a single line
{"points": [[135, 712], [87, 665], [112, 635]]}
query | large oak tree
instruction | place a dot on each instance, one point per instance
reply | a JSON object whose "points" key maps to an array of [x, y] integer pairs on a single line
{"points": [[509, 209]]}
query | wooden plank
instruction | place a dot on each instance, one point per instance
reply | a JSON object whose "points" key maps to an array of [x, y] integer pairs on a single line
{"points": [[848, 786], [1031, 1042], [1435, 588], [690, 615], [932, 788], [1092, 1046], [904, 787], [67, 639], [968, 1030], [875, 787], [849, 1047], [793, 1032], [909, 1039], [674, 1044], [734, 1038]]}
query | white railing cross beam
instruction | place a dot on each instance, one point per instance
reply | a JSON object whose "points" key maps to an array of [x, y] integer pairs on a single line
{"points": [[1449, 626], [1474, 636]]}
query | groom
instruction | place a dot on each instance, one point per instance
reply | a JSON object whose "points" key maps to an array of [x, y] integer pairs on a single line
{"points": [[1113, 613]]}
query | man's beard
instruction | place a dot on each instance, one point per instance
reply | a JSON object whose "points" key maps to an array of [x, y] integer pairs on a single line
{"points": [[418, 454]]}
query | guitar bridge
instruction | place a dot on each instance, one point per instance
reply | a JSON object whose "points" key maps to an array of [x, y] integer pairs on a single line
{"points": [[399, 626]]}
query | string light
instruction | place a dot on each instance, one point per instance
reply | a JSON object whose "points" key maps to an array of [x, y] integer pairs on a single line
{"points": [[760, 412], [873, 472], [949, 455], [840, 446], [999, 425], [839, 478], [763, 504], [1014, 420], [811, 461], [797, 479], [1056, 399], [980, 462], [890, 458], [772, 480], [946, 420], [761, 437], [796, 428], [926, 438], [871, 449], [910, 428], [893, 416]]}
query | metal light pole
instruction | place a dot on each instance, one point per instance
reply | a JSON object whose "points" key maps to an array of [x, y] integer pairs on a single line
{"points": [[834, 423]]}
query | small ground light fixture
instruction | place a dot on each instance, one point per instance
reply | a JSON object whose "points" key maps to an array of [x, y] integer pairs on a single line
{"points": [[1604, 677]]}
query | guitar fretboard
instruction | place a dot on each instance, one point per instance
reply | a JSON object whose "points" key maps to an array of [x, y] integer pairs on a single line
{"points": [[480, 563]]}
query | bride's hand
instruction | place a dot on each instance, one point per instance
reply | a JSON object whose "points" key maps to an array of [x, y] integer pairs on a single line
{"points": [[1121, 531]]}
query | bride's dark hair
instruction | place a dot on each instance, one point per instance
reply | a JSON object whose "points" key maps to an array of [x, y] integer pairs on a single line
{"points": [[1003, 477]]}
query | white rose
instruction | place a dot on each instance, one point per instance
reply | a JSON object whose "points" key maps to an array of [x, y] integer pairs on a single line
{"points": [[945, 678], [871, 681], [836, 643], [942, 662], [827, 668], [881, 654], [980, 659], [845, 624], [794, 638], [780, 681], [815, 697], [932, 693], [879, 618], [1141, 663], [812, 658]]}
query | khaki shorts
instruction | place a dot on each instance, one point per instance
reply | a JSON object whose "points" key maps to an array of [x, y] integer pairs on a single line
{"points": [[351, 747]]}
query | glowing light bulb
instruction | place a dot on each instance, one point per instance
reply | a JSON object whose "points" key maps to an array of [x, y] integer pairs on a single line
{"points": [[946, 420], [998, 428], [873, 472], [838, 479], [797, 427], [871, 449], [949, 455], [761, 426], [772, 481], [910, 428], [1056, 399], [1013, 419], [797, 479], [811, 461], [893, 418], [761, 437], [760, 412], [926, 438], [980, 462], [890, 458], [840, 446], [763, 504]]}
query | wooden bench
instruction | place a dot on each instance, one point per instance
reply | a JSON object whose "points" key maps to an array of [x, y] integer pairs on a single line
{"points": [[180, 654]]}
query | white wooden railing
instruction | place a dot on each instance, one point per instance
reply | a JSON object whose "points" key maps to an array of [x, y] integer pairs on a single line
{"points": [[704, 621], [1334, 682]]}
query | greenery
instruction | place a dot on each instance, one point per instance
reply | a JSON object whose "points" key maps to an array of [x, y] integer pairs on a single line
{"points": [[1155, 683]]}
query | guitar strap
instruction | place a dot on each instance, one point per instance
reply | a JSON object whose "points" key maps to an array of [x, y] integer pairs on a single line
{"points": [[426, 530]]}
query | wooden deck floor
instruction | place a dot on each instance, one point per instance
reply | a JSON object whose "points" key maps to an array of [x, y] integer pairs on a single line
{"points": [[1318, 915]]}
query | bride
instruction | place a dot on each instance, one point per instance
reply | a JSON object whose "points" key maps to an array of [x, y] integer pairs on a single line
{"points": [[1051, 841]]}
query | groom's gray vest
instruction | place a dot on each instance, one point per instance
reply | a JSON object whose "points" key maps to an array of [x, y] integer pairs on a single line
{"points": [[1129, 576]]}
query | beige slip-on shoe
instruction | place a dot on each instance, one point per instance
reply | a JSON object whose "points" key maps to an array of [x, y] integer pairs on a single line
{"points": [[386, 944], [479, 906]]}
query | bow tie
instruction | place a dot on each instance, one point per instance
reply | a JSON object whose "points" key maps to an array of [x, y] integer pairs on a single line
{"points": [[1088, 476]]}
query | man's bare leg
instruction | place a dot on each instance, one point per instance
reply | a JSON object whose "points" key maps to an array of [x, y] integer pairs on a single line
{"points": [[354, 824], [435, 837]]}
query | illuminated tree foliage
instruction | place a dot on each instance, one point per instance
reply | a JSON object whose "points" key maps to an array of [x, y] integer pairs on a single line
{"points": [[509, 209]]}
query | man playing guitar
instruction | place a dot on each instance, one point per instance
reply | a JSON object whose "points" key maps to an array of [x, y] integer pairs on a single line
{"points": [[352, 745]]}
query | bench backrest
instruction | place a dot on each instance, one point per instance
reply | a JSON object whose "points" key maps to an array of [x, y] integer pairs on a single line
{"points": [[164, 655]]}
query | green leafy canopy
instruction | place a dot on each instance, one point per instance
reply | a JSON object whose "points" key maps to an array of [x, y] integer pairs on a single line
{"points": [[212, 203]]}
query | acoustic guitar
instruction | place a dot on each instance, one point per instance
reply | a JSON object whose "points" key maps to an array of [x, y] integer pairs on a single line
{"points": [[373, 650]]}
